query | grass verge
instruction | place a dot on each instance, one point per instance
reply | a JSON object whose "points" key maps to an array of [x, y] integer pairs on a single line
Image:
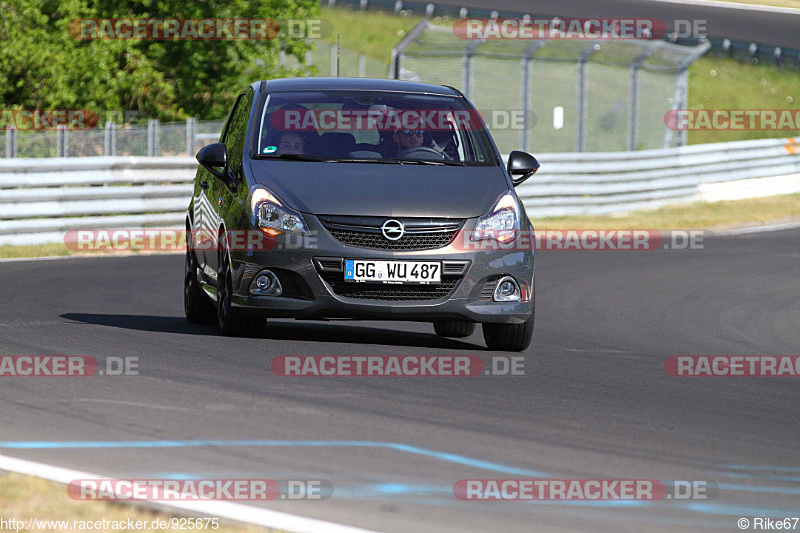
{"points": [[699, 215], [26, 497], [373, 33], [724, 83], [769, 3], [8, 251]]}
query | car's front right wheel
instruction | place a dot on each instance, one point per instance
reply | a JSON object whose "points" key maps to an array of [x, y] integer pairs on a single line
{"points": [[196, 305], [231, 322], [508, 337]]}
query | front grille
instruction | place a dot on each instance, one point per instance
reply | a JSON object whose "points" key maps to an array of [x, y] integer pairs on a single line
{"points": [[379, 291], [420, 234]]}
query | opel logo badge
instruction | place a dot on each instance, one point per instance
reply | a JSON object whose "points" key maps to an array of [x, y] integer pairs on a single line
{"points": [[393, 229]]}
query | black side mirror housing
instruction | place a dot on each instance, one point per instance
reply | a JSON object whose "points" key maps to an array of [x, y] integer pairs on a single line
{"points": [[214, 158], [521, 166]]}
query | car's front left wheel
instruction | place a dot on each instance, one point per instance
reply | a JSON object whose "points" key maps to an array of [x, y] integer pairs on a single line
{"points": [[508, 337]]}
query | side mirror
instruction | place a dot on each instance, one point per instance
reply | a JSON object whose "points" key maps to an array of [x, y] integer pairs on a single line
{"points": [[521, 166], [214, 158]]}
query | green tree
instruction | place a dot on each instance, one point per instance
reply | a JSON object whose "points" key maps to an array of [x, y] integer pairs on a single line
{"points": [[43, 66]]}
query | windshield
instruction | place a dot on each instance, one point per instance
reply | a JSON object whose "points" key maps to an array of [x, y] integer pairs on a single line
{"points": [[372, 126]]}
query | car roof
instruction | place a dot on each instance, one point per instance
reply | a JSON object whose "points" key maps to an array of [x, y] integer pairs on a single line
{"points": [[354, 84]]}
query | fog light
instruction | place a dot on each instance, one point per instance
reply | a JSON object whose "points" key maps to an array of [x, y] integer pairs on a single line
{"points": [[507, 290], [266, 283]]}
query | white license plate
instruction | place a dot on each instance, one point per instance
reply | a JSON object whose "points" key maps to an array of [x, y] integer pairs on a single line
{"points": [[392, 271]]}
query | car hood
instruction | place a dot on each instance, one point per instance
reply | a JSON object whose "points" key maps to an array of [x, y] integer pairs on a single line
{"points": [[374, 189]]}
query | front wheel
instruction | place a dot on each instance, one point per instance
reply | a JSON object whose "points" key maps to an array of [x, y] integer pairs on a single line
{"points": [[196, 305], [231, 323], [508, 337]]}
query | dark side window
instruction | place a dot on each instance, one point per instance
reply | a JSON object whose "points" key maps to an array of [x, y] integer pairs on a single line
{"points": [[236, 130]]}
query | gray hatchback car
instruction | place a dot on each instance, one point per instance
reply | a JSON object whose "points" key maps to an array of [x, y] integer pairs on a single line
{"points": [[363, 199]]}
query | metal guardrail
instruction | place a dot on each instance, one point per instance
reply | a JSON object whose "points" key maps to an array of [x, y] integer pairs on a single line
{"points": [[603, 183], [41, 199]]}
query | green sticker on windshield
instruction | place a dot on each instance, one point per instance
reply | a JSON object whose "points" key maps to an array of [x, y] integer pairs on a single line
{"points": [[270, 149]]}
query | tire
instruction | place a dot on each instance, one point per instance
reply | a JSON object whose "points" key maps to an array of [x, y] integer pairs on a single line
{"points": [[454, 328], [508, 337], [196, 305], [231, 322]]}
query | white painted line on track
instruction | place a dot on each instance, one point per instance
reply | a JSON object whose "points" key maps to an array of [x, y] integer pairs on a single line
{"points": [[760, 229], [219, 509], [734, 5], [87, 256]]}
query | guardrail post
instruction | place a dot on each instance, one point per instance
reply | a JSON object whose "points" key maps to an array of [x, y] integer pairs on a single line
{"points": [[581, 118], [333, 60], [633, 117], [394, 65], [397, 51], [61, 141], [191, 136], [682, 90], [633, 121], [152, 138], [110, 139], [527, 61], [466, 69], [11, 142], [362, 66]]}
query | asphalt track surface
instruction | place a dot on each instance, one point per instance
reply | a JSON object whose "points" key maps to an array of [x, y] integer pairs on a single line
{"points": [[737, 24], [595, 401]]}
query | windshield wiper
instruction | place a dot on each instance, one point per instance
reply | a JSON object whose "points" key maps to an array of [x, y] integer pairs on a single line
{"points": [[365, 160], [290, 157], [438, 162]]}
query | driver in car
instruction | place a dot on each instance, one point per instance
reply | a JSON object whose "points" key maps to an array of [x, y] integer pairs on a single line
{"points": [[412, 144], [291, 143], [408, 139]]}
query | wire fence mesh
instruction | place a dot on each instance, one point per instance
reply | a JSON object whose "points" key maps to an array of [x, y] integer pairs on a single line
{"points": [[574, 95]]}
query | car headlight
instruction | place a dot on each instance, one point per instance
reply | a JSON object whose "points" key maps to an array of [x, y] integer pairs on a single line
{"points": [[272, 216], [501, 223]]}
